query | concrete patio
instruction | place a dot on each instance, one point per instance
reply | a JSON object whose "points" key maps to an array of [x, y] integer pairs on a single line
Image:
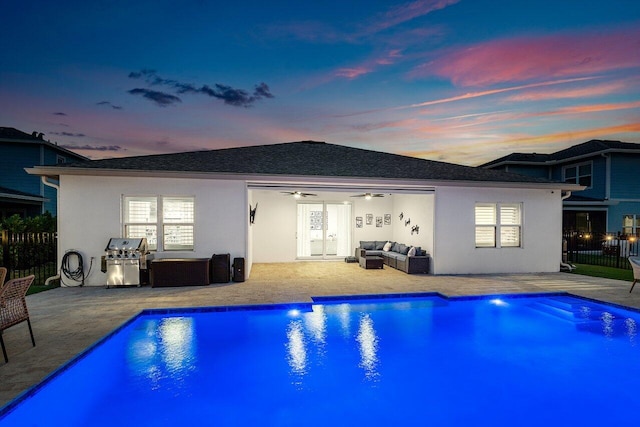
{"points": [[67, 320]]}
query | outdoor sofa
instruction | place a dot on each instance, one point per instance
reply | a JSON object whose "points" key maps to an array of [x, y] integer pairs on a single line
{"points": [[410, 259]]}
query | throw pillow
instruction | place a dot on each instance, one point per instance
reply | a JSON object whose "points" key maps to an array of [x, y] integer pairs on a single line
{"points": [[395, 247], [412, 251], [379, 245], [387, 247]]}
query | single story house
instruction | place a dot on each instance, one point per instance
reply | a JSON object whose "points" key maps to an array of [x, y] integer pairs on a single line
{"points": [[309, 201]]}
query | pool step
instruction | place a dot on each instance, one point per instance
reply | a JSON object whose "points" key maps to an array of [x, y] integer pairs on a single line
{"points": [[570, 311], [586, 317]]}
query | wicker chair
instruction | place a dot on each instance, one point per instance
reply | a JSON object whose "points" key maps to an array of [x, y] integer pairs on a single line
{"points": [[13, 307], [635, 264]]}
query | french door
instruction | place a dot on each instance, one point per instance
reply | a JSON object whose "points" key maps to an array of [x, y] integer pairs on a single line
{"points": [[323, 230]]}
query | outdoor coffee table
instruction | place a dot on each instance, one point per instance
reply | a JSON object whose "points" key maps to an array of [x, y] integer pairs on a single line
{"points": [[369, 262]]}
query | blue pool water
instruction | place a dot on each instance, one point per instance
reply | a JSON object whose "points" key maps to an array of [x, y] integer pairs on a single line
{"points": [[525, 361]]}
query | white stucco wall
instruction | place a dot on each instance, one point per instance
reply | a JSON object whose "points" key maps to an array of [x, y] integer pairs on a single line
{"points": [[378, 207], [274, 230], [418, 209], [90, 213], [454, 232]]}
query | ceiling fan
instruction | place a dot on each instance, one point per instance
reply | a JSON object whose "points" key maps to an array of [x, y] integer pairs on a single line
{"points": [[368, 196], [298, 194]]}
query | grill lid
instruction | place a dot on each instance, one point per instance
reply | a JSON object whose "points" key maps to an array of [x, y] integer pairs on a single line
{"points": [[116, 243]]}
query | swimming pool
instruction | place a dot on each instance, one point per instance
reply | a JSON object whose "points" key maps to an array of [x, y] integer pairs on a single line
{"points": [[414, 360]]}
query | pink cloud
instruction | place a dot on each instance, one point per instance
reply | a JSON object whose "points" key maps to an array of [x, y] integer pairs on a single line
{"points": [[370, 65], [496, 145], [533, 58], [352, 73], [583, 92], [471, 95], [319, 32], [406, 12]]}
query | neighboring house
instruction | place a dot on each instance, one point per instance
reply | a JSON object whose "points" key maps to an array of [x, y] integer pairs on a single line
{"points": [[21, 193], [610, 171], [195, 204]]}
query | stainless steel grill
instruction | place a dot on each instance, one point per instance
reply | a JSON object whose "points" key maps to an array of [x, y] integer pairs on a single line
{"points": [[126, 261]]}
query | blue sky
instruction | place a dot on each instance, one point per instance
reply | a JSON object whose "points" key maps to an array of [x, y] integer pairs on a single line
{"points": [[463, 81]]}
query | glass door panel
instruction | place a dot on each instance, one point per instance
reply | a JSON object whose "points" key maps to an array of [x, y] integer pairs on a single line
{"points": [[310, 240], [323, 230]]}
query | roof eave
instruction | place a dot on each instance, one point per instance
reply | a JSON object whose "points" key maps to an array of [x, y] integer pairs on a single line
{"points": [[373, 182], [563, 160]]}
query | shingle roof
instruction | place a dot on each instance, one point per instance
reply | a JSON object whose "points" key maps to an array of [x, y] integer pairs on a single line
{"points": [[15, 135], [10, 193], [305, 158], [595, 146]]}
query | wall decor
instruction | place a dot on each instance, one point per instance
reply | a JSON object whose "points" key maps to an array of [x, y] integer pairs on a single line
{"points": [[369, 219], [378, 221], [407, 222], [387, 219], [358, 222], [316, 220], [416, 229], [252, 213], [401, 215]]}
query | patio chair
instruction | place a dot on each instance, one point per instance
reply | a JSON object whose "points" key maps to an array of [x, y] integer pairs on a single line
{"points": [[13, 307], [635, 264]]}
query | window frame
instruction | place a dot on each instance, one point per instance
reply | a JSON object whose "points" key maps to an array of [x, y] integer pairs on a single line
{"points": [[498, 225], [576, 178], [635, 224], [162, 224]]}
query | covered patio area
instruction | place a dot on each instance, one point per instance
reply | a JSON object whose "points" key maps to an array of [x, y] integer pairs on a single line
{"points": [[68, 320]]}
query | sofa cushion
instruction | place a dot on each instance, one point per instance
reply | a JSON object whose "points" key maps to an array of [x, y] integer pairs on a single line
{"points": [[379, 245], [367, 244], [403, 249], [395, 247], [395, 255], [400, 257]]}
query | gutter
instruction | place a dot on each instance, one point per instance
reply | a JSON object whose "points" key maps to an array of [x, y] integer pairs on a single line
{"points": [[270, 179]]}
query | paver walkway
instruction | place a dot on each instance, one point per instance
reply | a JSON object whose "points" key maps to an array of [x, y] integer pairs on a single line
{"points": [[68, 320]]}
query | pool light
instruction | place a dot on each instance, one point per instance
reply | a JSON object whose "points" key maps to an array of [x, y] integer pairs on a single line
{"points": [[498, 302], [294, 312]]}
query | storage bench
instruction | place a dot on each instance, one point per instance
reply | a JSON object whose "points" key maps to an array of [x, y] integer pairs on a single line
{"points": [[179, 272]]}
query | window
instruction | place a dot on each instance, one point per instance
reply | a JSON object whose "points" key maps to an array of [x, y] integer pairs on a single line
{"points": [[631, 224], [60, 159], [498, 223], [172, 217], [578, 174]]}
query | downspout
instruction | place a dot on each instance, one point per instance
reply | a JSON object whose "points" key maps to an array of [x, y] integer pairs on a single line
{"points": [[564, 265], [57, 188]]}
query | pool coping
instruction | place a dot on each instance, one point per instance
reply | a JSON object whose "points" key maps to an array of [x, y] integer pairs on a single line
{"points": [[303, 306]]}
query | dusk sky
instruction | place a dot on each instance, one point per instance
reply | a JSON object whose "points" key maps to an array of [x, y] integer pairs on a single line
{"points": [[462, 81]]}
